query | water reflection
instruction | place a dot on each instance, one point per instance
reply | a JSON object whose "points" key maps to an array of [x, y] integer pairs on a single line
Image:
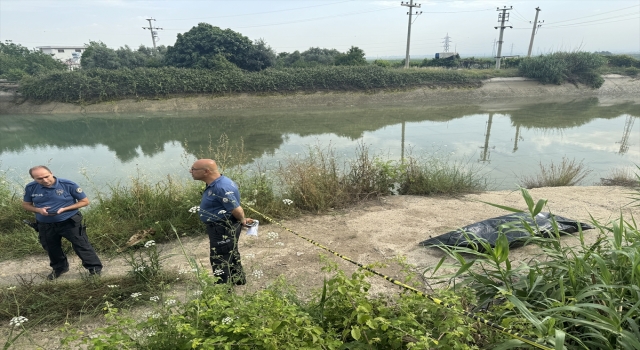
{"points": [[27, 140]]}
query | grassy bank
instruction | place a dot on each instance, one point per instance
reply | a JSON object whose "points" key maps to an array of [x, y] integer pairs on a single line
{"points": [[311, 183]]}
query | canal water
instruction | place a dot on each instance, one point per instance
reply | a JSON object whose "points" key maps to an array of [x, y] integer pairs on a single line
{"points": [[505, 143]]}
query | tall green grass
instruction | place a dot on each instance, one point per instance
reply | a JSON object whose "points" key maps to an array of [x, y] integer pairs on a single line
{"points": [[588, 293]]}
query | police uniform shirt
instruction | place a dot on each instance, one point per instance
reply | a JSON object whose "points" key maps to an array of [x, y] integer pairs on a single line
{"points": [[218, 200], [62, 194]]}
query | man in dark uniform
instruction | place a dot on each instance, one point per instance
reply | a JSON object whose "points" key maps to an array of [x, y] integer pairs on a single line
{"points": [[56, 202], [220, 210]]}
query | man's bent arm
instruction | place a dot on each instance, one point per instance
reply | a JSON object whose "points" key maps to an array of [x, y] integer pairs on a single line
{"points": [[28, 206], [77, 205]]}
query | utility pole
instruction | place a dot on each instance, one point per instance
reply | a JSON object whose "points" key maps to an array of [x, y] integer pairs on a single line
{"points": [[152, 29], [502, 17], [533, 32], [410, 5]]}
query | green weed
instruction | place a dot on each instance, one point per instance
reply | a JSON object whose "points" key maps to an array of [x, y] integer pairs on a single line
{"points": [[567, 173], [589, 293]]}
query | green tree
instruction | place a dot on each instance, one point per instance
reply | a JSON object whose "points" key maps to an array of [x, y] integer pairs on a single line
{"points": [[204, 45], [353, 57], [98, 55], [17, 61]]}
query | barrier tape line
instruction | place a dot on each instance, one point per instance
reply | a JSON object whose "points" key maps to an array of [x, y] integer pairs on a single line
{"points": [[471, 315]]}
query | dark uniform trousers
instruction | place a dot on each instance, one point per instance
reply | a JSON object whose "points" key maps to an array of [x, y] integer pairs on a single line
{"points": [[223, 249], [50, 235]]}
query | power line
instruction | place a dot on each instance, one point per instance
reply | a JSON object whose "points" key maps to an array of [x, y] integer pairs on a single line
{"points": [[595, 24], [595, 20], [521, 16], [600, 14]]}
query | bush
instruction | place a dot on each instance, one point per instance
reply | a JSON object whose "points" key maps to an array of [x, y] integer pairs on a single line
{"points": [[556, 68], [623, 61], [568, 173], [631, 71], [382, 63], [105, 85]]}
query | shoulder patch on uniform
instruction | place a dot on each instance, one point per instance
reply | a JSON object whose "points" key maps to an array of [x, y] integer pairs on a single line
{"points": [[79, 190]]}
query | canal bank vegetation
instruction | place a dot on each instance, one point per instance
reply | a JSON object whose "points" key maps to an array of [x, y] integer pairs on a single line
{"points": [[583, 296], [102, 84]]}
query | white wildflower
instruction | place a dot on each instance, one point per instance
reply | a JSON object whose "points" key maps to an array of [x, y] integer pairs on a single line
{"points": [[280, 244], [227, 320], [155, 298], [113, 285], [135, 295], [255, 192], [11, 288], [272, 235], [150, 243], [170, 302], [250, 203], [18, 321], [287, 201], [257, 273], [139, 269], [194, 209], [198, 292]]}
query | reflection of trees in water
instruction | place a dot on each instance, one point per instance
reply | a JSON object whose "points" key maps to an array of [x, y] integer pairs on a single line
{"points": [[261, 131], [264, 131]]}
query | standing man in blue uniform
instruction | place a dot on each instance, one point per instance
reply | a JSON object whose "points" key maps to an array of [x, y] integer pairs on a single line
{"points": [[220, 210], [56, 202]]}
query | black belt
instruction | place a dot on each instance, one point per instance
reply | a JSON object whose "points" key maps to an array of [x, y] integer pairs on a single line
{"points": [[59, 223], [232, 220]]}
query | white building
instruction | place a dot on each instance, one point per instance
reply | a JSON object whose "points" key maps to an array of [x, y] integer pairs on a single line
{"points": [[70, 55]]}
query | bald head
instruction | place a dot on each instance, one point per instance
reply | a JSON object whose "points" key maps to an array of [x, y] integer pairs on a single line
{"points": [[205, 170]]}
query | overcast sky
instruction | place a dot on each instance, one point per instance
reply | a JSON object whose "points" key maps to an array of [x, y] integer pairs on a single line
{"points": [[377, 27]]}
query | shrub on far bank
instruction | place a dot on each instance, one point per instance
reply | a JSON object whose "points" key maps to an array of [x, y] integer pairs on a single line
{"points": [[560, 67]]}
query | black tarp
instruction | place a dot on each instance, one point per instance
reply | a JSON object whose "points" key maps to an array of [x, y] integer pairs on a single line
{"points": [[511, 225]]}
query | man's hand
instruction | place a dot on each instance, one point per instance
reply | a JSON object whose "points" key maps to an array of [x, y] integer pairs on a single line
{"points": [[247, 222]]}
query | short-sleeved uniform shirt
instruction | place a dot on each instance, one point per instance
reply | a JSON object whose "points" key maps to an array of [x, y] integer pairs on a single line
{"points": [[218, 200], [63, 193]]}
